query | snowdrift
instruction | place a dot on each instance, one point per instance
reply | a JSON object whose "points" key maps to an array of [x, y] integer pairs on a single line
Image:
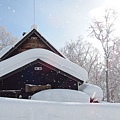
{"points": [[61, 95], [16, 109], [93, 91]]}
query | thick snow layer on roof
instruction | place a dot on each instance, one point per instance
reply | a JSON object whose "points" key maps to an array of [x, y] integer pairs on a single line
{"points": [[62, 95], [8, 48], [19, 109], [12, 46], [47, 56], [93, 91], [5, 50]]}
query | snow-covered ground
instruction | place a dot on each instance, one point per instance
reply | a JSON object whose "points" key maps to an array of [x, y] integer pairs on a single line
{"points": [[19, 109]]}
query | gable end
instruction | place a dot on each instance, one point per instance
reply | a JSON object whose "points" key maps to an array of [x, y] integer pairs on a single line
{"points": [[30, 41]]}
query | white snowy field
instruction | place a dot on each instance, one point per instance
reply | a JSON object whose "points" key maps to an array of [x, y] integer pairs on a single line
{"points": [[19, 109]]}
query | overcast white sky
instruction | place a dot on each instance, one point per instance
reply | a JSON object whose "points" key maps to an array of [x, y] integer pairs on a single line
{"points": [[57, 20]]}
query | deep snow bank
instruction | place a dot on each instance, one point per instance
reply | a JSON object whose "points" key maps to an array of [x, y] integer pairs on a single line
{"points": [[93, 91], [61, 95], [18, 109]]}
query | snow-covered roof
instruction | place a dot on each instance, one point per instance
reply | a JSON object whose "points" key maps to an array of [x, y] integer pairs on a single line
{"points": [[19, 60], [8, 48]]}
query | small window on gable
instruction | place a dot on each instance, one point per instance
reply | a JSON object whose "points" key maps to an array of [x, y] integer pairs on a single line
{"points": [[37, 68]]}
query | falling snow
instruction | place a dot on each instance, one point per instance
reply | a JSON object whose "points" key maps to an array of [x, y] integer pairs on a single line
{"points": [[13, 11]]}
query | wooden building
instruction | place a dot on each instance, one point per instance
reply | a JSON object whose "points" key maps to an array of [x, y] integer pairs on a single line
{"points": [[31, 77]]}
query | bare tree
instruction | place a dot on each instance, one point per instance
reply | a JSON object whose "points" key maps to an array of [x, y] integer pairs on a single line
{"points": [[84, 54], [114, 65], [103, 31], [6, 38], [81, 53]]}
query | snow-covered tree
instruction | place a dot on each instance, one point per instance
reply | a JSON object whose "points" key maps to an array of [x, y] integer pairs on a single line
{"points": [[103, 30], [114, 73], [84, 54], [6, 38]]}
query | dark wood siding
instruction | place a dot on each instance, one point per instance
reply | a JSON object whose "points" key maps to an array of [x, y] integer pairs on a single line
{"points": [[42, 76], [32, 42]]}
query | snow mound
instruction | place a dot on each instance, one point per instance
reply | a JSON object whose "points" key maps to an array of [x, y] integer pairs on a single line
{"points": [[61, 95], [93, 91]]}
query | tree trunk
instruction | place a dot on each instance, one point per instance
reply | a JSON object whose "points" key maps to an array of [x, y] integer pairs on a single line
{"points": [[107, 81]]}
